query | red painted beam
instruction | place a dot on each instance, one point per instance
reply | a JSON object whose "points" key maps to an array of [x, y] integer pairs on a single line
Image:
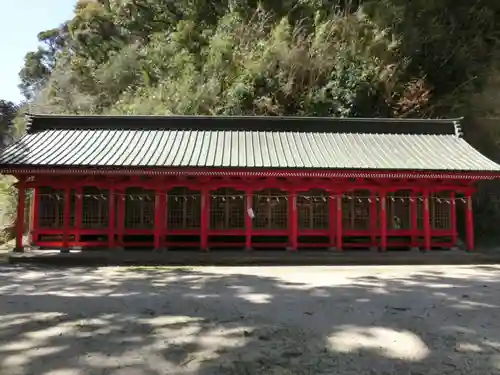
{"points": [[212, 182], [185, 172]]}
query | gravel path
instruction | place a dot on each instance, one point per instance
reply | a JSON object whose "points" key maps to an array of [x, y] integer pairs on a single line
{"points": [[268, 320]]}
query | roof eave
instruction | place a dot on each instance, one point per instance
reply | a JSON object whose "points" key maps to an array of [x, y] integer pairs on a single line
{"points": [[254, 172]]}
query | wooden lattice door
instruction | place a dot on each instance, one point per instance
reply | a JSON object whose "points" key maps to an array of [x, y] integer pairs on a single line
{"points": [[139, 208], [270, 209], [440, 210], [50, 210], [183, 209], [356, 211], [312, 209], [399, 210], [95, 207], [227, 209]]}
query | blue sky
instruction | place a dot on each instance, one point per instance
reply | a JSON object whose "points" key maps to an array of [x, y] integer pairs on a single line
{"points": [[20, 22]]}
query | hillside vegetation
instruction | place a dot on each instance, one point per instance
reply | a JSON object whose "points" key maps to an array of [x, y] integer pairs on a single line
{"points": [[391, 58], [304, 57]]}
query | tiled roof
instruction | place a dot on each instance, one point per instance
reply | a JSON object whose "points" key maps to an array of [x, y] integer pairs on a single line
{"points": [[246, 142]]}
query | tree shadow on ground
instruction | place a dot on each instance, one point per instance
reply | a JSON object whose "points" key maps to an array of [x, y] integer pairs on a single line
{"points": [[291, 320]]}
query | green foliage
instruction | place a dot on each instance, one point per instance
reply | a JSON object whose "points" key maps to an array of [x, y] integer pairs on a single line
{"points": [[35, 73], [451, 41], [8, 204], [8, 112], [92, 33], [342, 65], [38, 65], [307, 57], [7, 115]]}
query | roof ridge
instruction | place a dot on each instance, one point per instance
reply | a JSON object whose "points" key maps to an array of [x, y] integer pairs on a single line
{"points": [[458, 129], [355, 125], [260, 117]]}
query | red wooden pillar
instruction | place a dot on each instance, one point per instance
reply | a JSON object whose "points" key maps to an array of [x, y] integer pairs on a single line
{"points": [[163, 229], [78, 212], [383, 221], [426, 221], [453, 219], [111, 217], [21, 195], [469, 224], [373, 219], [248, 220], [120, 217], [332, 214], [338, 221], [66, 217], [413, 219], [34, 216], [205, 209], [159, 220], [292, 221]]}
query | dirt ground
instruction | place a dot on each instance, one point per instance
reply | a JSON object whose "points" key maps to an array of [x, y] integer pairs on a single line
{"points": [[267, 320]]}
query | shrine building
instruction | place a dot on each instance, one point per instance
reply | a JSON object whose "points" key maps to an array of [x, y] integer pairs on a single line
{"points": [[249, 183]]}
